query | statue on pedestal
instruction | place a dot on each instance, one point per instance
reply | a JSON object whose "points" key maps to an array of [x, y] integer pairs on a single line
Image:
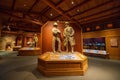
{"points": [[69, 37], [56, 37], [35, 40]]}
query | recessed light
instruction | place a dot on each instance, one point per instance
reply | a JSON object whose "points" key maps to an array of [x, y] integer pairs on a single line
{"points": [[24, 5], [51, 14], [110, 25], [78, 10], [97, 27], [72, 2], [58, 21]]}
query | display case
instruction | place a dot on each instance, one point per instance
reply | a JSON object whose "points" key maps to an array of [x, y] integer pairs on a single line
{"points": [[95, 47]]}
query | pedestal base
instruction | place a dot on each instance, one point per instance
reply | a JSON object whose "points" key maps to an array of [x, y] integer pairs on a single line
{"points": [[28, 51], [62, 64]]}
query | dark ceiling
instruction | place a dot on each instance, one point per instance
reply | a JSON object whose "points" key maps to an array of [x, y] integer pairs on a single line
{"points": [[32, 14]]}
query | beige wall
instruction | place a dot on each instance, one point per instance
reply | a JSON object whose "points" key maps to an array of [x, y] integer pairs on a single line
{"points": [[7, 39], [114, 52]]}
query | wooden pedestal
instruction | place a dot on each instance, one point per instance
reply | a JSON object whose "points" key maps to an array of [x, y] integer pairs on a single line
{"points": [[28, 51], [62, 64], [16, 48]]}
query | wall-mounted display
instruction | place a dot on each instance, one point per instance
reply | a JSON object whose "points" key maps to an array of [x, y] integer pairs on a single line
{"points": [[114, 42], [94, 45], [110, 25]]}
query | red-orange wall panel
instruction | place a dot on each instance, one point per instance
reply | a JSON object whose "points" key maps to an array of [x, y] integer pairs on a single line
{"points": [[46, 36]]}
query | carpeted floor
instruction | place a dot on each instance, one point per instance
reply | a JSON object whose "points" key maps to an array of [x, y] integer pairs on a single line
{"points": [[8, 53], [24, 68]]}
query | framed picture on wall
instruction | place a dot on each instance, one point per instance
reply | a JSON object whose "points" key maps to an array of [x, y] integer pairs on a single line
{"points": [[114, 42]]}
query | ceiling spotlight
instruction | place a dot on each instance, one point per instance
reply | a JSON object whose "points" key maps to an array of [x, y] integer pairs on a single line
{"points": [[72, 2], [24, 5], [51, 14], [78, 10], [58, 21]]}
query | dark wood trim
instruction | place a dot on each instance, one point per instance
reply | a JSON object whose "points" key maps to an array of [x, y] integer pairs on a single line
{"points": [[115, 14], [113, 8], [19, 11], [36, 1], [23, 19], [25, 28], [13, 5], [47, 2], [65, 12], [29, 8], [57, 5], [56, 9], [12, 9], [43, 11], [107, 2], [77, 6], [55, 17]]}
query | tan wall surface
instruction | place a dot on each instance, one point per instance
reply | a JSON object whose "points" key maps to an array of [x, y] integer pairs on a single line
{"points": [[114, 52], [7, 39]]}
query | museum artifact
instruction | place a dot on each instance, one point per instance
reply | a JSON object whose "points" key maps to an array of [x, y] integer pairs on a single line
{"points": [[54, 62], [69, 37], [35, 40], [56, 37]]}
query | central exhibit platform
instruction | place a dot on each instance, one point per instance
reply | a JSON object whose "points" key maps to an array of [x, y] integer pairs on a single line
{"points": [[62, 64]]}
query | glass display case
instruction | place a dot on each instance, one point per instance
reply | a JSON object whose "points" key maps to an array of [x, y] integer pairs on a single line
{"points": [[94, 46], [94, 43]]}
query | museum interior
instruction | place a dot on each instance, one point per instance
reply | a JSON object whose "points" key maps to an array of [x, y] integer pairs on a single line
{"points": [[59, 39]]}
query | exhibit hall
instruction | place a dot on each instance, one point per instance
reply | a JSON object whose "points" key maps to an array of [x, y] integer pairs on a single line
{"points": [[59, 39]]}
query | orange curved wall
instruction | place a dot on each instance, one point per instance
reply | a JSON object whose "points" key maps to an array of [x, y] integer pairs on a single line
{"points": [[46, 37]]}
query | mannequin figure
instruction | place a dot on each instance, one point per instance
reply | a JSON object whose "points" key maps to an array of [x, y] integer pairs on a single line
{"points": [[69, 37], [56, 37]]}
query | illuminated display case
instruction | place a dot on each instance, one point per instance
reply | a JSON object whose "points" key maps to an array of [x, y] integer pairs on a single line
{"points": [[94, 43], [94, 46]]}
